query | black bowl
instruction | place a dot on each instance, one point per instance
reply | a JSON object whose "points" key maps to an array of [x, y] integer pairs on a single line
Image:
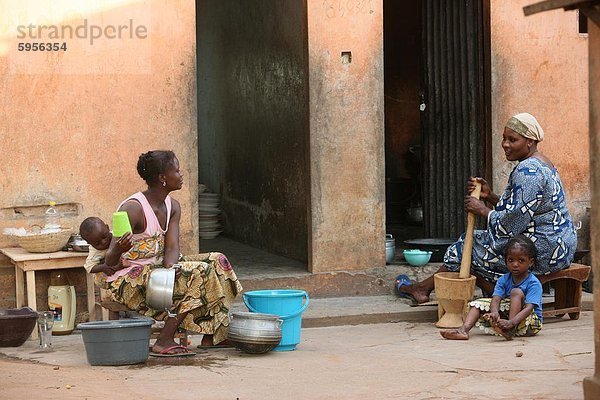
{"points": [[16, 324], [437, 247]]}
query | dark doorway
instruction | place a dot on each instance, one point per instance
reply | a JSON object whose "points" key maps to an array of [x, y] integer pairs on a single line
{"points": [[403, 71], [437, 112], [252, 66]]}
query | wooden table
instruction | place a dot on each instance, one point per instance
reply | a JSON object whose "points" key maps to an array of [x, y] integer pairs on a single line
{"points": [[26, 262]]}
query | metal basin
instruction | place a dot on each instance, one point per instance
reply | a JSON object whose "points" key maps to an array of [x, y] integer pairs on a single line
{"points": [[159, 289]]}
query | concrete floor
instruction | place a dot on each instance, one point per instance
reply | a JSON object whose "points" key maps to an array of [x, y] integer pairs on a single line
{"points": [[251, 262], [382, 361]]}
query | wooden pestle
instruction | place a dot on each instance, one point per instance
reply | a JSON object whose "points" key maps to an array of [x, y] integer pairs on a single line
{"points": [[465, 262]]}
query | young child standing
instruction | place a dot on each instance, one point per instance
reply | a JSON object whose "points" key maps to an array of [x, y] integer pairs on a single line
{"points": [[516, 305], [97, 233]]}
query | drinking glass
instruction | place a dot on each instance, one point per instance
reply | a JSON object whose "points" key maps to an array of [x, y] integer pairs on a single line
{"points": [[45, 322]]}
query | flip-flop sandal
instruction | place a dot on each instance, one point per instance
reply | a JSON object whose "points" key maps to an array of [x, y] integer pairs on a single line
{"points": [[168, 352], [403, 280]]}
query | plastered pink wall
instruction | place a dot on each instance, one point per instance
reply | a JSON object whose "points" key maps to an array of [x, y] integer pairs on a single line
{"points": [[346, 135], [539, 65], [74, 137]]}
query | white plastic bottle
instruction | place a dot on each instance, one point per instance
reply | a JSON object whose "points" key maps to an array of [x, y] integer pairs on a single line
{"points": [[52, 217]]}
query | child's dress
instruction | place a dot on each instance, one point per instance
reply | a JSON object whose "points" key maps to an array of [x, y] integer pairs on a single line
{"points": [[532, 289]]}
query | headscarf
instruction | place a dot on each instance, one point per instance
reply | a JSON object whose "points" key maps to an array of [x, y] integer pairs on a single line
{"points": [[527, 126]]}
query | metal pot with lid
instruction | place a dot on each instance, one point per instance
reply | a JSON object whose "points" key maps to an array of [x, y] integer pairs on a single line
{"points": [[77, 243], [255, 333], [390, 248]]}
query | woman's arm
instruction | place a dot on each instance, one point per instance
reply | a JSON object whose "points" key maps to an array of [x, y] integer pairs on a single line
{"points": [[486, 191], [476, 206], [526, 187], [172, 236]]}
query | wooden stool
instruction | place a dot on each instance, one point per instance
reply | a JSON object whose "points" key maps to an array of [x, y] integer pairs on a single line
{"points": [[567, 290], [111, 310]]}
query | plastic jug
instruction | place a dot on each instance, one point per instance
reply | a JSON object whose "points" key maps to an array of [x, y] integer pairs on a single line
{"points": [[61, 301], [51, 216]]}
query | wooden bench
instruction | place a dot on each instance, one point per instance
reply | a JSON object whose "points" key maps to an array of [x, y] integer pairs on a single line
{"points": [[111, 310], [567, 286]]}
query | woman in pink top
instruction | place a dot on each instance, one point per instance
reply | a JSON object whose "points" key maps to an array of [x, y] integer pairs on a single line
{"points": [[205, 284]]}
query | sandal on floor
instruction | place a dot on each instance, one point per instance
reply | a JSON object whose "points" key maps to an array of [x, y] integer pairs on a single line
{"points": [[403, 280], [168, 352]]}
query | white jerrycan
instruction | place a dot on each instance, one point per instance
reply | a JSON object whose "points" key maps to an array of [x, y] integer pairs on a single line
{"points": [[61, 301]]}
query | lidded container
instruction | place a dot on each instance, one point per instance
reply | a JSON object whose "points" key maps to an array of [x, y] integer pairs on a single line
{"points": [[51, 216], [390, 248], [62, 303]]}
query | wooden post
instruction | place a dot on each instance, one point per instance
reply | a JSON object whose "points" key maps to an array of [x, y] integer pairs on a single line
{"points": [[591, 385], [465, 261]]}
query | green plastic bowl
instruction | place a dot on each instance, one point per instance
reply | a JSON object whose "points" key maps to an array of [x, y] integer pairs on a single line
{"points": [[417, 258]]}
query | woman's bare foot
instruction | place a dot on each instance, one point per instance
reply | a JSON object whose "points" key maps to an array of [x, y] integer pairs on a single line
{"points": [[161, 345], [498, 329], [207, 341], [455, 334], [415, 292]]}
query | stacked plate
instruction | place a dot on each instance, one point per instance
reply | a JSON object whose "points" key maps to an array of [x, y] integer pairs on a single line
{"points": [[210, 222]]}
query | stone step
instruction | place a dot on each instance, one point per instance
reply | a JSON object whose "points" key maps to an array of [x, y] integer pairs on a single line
{"points": [[358, 310], [371, 282]]}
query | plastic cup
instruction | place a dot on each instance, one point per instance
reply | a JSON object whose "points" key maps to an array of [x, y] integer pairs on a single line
{"points": [[121, 223]]}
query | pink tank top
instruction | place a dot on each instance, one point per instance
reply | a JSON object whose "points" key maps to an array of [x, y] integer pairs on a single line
{"points": [[148, 246]]}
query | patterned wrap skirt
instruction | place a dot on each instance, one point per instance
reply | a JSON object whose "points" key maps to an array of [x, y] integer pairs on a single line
{"points": [[530, 326], [205, 287]]}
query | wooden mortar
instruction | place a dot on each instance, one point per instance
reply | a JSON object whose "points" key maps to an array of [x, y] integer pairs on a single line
{"points": [[454, 290]]}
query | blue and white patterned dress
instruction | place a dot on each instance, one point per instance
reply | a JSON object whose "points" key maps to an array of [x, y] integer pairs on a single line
{"points": [[533, 204]]}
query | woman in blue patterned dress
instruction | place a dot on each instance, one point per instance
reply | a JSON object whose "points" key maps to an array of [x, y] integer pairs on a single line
{"points": [[533, 204]]}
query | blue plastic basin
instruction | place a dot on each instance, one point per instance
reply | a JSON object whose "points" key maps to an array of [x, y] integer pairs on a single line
{"points": [[287, 304]]}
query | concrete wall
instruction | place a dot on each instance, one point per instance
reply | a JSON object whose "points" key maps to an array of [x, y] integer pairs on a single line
{"points": [[253, 116], [74, 123], [539, 65], [346, 134]]}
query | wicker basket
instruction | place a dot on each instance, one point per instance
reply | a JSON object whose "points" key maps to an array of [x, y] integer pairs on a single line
{"points": [[45, 242]]}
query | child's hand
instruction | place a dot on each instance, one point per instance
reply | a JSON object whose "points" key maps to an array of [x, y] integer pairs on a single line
{"points": [[125, 242], [110, 270], [492, 316]]}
